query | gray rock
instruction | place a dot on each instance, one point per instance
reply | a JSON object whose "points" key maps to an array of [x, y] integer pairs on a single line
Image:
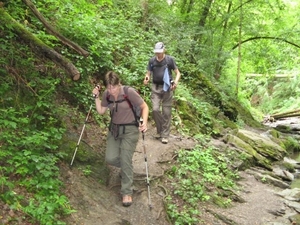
{"points": [[290, 194]]}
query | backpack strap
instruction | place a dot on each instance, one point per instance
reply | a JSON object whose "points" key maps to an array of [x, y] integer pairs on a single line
{"points": [[113, 110], [126, 98], [152, 63], [167, 60], [129, 102]]}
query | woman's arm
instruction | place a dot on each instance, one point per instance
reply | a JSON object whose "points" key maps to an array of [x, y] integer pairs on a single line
{"points": [[100, 109], [144, 114]]}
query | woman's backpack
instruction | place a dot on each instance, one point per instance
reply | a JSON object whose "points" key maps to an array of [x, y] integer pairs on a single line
{"points": [[136, 110]]}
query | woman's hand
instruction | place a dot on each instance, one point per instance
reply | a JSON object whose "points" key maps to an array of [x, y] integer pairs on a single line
{"points": [[96, 91], [143, 127]]}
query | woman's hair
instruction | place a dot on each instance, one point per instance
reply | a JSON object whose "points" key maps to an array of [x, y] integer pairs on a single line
{"points": [[111, 78]]}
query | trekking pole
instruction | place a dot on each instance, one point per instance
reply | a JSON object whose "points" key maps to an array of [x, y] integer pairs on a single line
{"points": [[147, 176], [87, 117]]}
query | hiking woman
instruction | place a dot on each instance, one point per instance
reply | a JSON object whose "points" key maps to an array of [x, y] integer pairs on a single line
{"points": [[124, 130]]}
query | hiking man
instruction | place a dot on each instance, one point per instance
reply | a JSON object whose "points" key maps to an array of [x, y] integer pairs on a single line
{"points": [[160, 67], [124, 128]]}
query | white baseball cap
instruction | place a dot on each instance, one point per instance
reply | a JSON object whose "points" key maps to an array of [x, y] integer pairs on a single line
{"points": [[159, 47]]}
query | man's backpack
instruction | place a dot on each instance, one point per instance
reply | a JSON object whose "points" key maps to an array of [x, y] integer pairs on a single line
{"points": [[159, 79], [136, 110]]}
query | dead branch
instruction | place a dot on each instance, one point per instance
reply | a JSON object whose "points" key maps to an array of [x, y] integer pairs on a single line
{"points": [[52, 31], [287, 116], [293, 113], [286, 113], [37, 46]]}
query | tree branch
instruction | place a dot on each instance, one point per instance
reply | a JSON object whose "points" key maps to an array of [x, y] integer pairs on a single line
{"points": [[36, 45], [52, 31], [274, 38]]}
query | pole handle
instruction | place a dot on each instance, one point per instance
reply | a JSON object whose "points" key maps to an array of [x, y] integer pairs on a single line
{"points": [[141, 121], [97, 86]]}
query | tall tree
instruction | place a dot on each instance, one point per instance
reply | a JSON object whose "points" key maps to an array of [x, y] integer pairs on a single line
{"points": [[238, 73]]}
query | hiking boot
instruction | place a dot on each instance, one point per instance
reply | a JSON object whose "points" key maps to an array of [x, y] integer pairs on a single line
{"points": [[157, 136], [127, 200], [164, 140]]}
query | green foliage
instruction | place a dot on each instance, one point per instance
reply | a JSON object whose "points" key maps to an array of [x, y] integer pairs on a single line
{"points": [[33, 167], [292, 145], [87, 170], [30, 134], [195, 173], [191, 115], [272, 95], [119, 35], [111, 46]]}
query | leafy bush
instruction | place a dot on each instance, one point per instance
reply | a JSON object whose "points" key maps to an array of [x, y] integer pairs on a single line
{"points": [[29, 174], [197, 172]]}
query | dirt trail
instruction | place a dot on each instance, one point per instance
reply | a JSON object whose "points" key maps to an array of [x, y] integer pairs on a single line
{"points": [[97, 204]]}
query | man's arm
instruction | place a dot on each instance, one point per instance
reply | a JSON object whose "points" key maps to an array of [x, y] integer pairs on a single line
{"points": [[178, 75], [175, 82]]}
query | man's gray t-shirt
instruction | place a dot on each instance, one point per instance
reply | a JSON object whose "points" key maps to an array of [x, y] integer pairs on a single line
{"points": [[157, 68]]}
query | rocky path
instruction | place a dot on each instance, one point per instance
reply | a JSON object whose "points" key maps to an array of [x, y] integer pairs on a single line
{"points": [[98, 204]]}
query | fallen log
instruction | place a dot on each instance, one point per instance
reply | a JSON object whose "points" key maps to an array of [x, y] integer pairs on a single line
{"points": [[286, 116], [52, 31], [293, 113], [38, 46]]}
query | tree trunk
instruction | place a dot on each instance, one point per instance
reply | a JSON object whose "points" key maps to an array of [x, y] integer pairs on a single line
{"points": [[218, 67], [293, 113], [201, 24], [36, 45], [205, 12], [239, 52], [52, 31]]}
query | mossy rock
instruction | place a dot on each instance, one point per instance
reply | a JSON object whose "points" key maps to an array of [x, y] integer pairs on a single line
{"points": [[264, 146], [84, 151], [288, 166], [253, 157], [213, 95], [283, 129], [192, 119], [274, 133], [295, 219]]}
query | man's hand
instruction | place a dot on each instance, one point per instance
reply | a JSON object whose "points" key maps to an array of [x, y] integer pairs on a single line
{"points": [[173, 85], [146, 80]]}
